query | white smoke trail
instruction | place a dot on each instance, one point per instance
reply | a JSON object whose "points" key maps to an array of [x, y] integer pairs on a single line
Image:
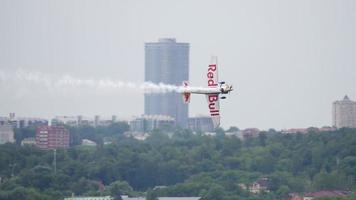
{"points": [[67, 81]]}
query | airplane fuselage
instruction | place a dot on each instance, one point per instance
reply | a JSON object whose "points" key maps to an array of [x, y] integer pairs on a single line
{"points": [[201, 90], [223, 89]]}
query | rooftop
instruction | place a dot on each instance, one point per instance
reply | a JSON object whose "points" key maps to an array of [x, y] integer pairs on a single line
{"points": [[346, 98], [327, 193], [179, 198], [167, 40]]}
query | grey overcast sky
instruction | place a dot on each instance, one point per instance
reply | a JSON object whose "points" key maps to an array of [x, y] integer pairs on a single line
{"points": [[287, 59]]}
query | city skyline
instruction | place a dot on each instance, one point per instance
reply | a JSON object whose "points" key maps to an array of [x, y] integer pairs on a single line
{"points": [[288, 60]]}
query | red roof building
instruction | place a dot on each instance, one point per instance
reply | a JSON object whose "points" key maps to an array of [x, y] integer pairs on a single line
{"points": [[52, 137], [325, 193]]}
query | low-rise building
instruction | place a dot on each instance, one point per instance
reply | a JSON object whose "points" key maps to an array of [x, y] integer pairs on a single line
{"points": [[67, 120], [180, 198], [250, 133], [7, 134], [259, 186], [295, 196], [125, 197], [28, 141], [31, 122], [137, 135], [147, 123], [22, 122], [83, 121], [211, 134], [307, 130], [107, 140], [327, 129], [236, 133], [3, 121], [90, 198], [243, 186], [294, 131], [86, 142], [201, 123], [162, 198], [325, 193]]}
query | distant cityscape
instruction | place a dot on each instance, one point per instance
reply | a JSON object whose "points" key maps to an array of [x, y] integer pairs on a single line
{"points": [[177, 100], [165, 61], [163, 112], [52, 134]]}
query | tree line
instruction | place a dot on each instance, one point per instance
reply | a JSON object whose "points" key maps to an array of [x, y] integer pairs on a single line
{"points": [[183, 164]]}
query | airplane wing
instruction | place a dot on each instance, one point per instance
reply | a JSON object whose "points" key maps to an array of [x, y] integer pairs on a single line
{"points": [[212, 74], [213, 99], [214, 108]]}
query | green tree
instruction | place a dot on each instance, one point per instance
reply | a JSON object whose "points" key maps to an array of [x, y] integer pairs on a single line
{"points": [[216, 192], [119, 188]]}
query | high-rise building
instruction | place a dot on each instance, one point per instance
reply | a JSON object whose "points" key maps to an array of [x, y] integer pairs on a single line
{"points": [[344, 113], [52, 137], [167, 61]]}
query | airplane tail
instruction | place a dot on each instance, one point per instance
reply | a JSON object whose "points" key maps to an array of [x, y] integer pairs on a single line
{"points": [[186, 95]]}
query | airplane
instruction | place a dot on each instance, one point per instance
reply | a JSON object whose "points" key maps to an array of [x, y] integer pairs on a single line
{"points": [[212, 92]]}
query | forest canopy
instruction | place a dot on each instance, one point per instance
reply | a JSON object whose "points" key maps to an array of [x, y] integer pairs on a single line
{"points": [[183, 164]]}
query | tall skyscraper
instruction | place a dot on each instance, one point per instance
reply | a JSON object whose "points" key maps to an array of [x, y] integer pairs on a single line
{"points": [[167, 61], [344, 113]]}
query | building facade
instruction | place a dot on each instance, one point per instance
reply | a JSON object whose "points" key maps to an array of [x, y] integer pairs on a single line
{"points": [[6, 134], [28, 141], [22, 122], [202, 123], [259, 186], [167, 61], [90, 198], [125, 197], [162, 198], [147, 123], [88, 143], [83, 121], [325, 193], [344, 113], [250, 133], [52, 137]]}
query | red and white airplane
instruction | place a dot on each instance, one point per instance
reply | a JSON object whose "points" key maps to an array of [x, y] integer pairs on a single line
{"points": [[212, 92]]}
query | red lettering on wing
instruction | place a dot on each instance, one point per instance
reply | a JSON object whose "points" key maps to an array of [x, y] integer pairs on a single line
{"points": [[213, 98], [212, 105], [210, 75], [212, 68], [211, 82]]}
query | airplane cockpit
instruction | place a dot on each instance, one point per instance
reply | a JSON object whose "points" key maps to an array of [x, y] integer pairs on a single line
{"points": [[225, 88]]}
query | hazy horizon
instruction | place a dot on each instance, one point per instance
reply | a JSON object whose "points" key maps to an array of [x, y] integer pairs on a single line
{"points": [[287, 60]]}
